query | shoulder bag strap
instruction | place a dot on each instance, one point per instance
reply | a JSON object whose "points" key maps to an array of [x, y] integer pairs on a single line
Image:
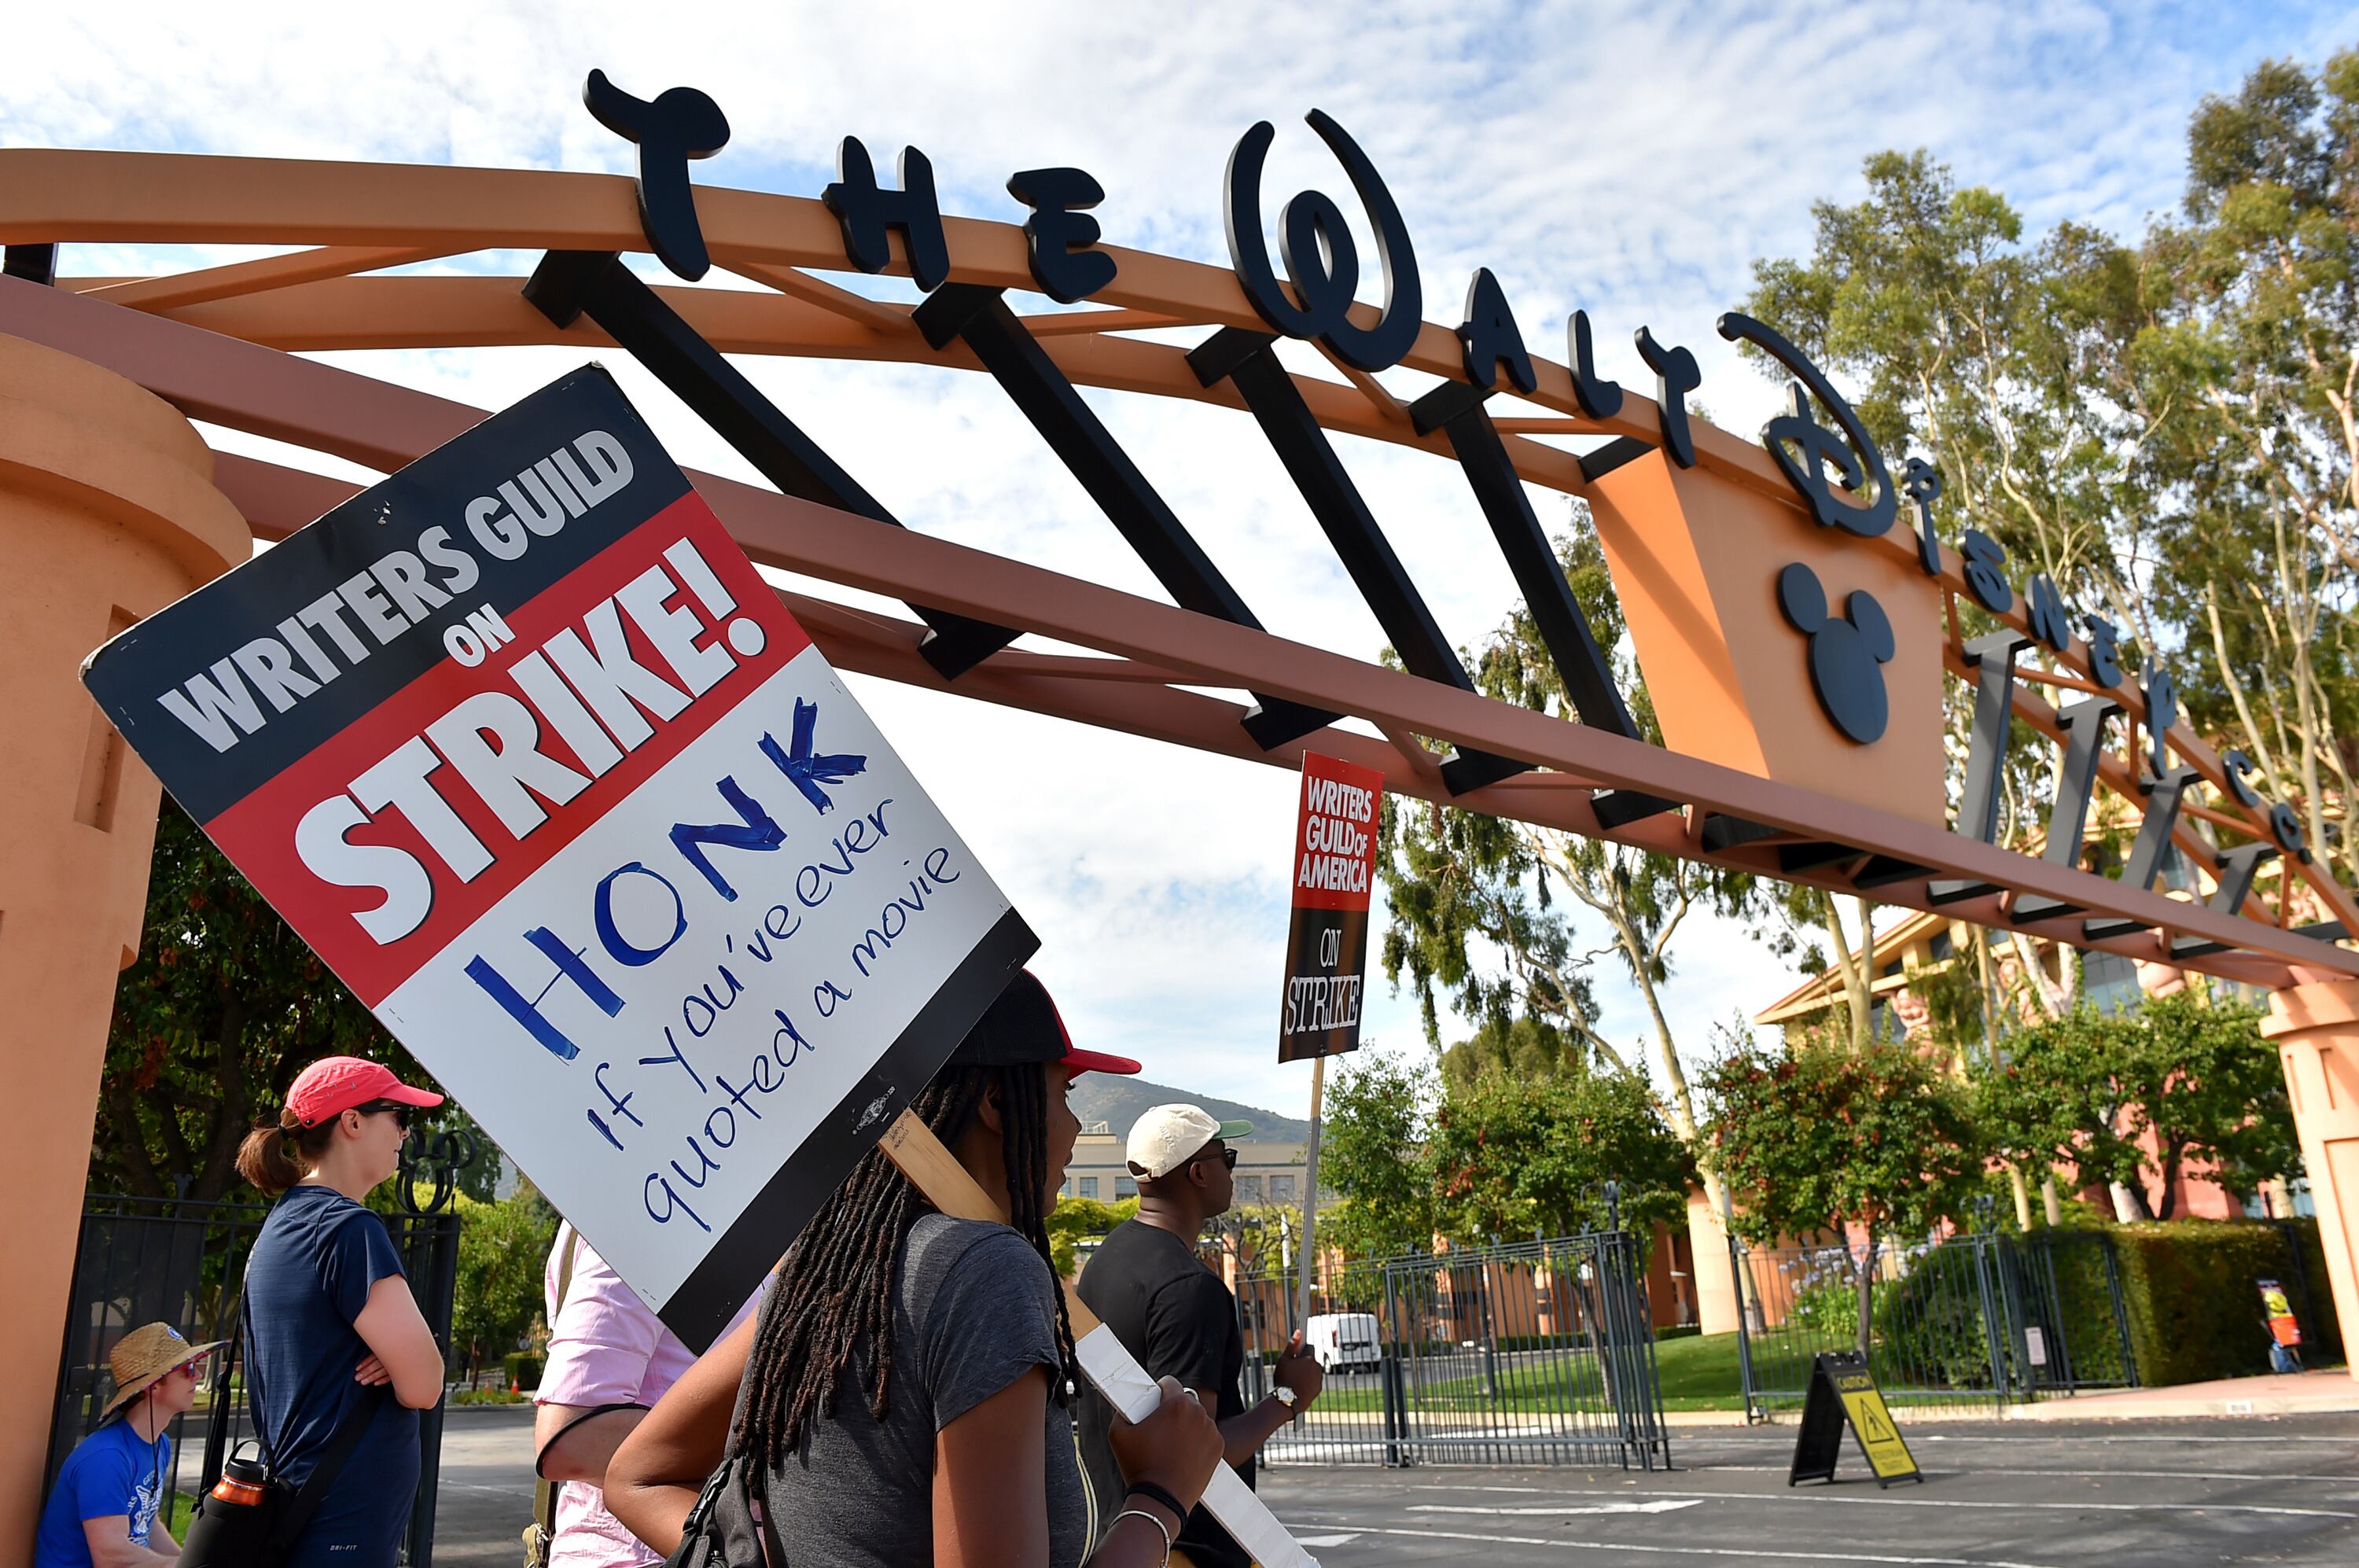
{"points": [[544, 1492], [314, 1490]]}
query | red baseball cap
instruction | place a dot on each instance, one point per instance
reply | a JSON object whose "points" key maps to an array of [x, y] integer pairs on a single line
{"points": [[334, 1084], [1023, 1025]]}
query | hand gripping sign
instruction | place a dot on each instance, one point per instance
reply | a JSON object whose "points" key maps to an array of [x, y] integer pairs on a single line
{"points": [[1327, 940], [522, 746]]}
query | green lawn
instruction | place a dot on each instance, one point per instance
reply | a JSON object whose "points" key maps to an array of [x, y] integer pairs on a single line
{"points": [[1699, 1373]]}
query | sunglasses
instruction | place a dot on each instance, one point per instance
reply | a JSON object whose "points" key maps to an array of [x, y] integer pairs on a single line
{"points": [[1228, 1157], [395, 1108], [195, 1369]]}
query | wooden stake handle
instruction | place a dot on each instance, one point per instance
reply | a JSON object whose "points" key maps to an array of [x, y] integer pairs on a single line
{"points": [[911, 1145]]}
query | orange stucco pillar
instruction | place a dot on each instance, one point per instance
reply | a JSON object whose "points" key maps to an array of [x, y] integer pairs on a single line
{"points": [[2316, 1027], [107, 513]]}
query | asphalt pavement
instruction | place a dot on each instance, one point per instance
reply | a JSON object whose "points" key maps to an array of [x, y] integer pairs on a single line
{"points": [[2149, 1494]]}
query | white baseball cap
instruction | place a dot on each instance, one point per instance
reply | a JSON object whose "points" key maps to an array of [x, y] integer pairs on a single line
{"points": [[1168, 1136]]}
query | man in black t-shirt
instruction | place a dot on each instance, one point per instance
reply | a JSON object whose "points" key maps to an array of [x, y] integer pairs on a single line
{"points": [[1174, 1314]]}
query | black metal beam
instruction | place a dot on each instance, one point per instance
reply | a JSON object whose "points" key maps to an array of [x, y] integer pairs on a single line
{"points": [[1721, 832], [1883, 870], [979, 315], [33, 263], [567, 283], [1249, 360], [1793, 857], [1456, 409]]}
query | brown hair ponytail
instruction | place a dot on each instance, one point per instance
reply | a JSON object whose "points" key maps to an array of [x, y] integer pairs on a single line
{"points": [[278, 1154]]}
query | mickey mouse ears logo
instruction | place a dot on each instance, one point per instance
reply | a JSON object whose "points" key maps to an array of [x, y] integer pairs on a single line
{"points": [[1846, 654]]}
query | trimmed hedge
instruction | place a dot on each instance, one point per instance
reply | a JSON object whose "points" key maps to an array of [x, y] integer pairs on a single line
{"points": [[524, 1369], [2192, 1290]]}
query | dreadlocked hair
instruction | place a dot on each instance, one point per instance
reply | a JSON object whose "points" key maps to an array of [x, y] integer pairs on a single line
{"points": [[835, 1291]]}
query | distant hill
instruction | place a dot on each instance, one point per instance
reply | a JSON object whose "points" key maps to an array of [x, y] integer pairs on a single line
{"points": [[1118, 1102]]}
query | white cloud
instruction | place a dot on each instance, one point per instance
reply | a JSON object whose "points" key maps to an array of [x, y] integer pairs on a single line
{"points": [[1633, 159]]}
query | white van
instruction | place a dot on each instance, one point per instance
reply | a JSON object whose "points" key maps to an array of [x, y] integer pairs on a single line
{"points": [[1343, 1341]]}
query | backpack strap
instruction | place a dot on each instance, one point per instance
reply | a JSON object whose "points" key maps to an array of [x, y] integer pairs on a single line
{"points": [[314, 1490]]}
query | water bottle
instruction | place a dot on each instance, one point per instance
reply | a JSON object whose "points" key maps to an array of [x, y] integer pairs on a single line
{"points": [[234, 1520]]}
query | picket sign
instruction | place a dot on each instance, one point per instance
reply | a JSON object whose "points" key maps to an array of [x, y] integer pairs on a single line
{"points": [[519, 741], [1111, 1368]]}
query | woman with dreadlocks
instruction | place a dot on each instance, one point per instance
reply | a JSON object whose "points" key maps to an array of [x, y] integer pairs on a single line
{"points": [[904, 1387]]}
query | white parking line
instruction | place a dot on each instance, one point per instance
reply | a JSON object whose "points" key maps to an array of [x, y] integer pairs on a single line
{"points": [[1816, 1554], [1817, 1497], [2076, 1438], [1659, 1506], [2074, 1474]]}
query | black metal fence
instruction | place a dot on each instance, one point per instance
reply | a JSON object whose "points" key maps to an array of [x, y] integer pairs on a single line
{"points": [[183, 1262], [1970, 1320], [1537, 1353]]}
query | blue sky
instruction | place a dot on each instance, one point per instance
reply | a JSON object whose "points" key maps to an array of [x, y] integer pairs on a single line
{"points": [[1630, 160]]}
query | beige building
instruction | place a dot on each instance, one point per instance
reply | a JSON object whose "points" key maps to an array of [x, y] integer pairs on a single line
{"points": [[1266, 1172]]}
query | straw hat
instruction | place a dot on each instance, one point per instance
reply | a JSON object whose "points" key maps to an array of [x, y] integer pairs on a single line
{"points": [[146, 1353]]}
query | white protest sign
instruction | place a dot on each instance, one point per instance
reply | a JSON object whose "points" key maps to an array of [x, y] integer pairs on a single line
{"points": [[520, 742]]}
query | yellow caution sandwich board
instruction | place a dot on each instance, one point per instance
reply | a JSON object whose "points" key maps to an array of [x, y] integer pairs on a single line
{"points": [[1842, 1392]]}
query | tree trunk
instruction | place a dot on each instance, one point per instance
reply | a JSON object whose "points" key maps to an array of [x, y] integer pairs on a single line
{"points": [[2022, 1189], [1867, 1293], [1854, 975], [2048, 1198]]}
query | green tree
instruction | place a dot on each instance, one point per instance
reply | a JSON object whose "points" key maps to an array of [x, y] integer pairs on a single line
{"points": [[2136, 1098], [1513, 1155], [1372, 1144], [503, 1250], [2258, 324], [224, 1005], [1827, 1135], [1075, 1220], [2021, 369], [1525, 1047]]}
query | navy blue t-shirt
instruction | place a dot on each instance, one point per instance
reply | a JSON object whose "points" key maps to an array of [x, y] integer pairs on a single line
{"points": [[309, 1278]]}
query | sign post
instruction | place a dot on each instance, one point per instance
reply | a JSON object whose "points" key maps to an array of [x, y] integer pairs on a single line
{"points": [[1842, 1392], [1327, 949], [522, 746]]}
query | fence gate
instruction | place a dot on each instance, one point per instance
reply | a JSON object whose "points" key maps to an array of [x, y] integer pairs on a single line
{"points": [[1971, 1320], [1537, 1353], [183, 1262]]}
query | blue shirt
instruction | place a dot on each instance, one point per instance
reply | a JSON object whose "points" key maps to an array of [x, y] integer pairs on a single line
{"points": [[309, 1276], [112, 1471]]}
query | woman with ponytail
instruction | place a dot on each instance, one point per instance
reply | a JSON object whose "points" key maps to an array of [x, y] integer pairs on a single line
{"points": [[904, 1388], [327, 1317]]}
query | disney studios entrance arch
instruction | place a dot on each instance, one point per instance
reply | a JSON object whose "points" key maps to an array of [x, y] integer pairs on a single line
{"points": [[1793, 603]]}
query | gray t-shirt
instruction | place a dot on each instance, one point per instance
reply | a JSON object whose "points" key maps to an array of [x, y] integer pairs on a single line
{"points": [[977, 1309]]}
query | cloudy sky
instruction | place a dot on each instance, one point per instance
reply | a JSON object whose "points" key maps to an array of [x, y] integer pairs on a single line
{"points": [[1630, 159]]}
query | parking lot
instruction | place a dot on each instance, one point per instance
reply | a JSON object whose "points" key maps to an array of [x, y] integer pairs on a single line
{"points": [[2096, 1495], [2053, 1495]]}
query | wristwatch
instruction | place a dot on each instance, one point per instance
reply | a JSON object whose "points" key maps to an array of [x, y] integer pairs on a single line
{"points": [[1283, 1395]]}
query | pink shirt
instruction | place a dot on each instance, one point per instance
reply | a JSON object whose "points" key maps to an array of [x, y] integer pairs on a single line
{"points": [[606, 1347]]}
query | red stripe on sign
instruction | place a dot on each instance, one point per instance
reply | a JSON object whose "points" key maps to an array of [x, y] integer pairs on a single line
{"points": [[600, 679], [1335, 834]]}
